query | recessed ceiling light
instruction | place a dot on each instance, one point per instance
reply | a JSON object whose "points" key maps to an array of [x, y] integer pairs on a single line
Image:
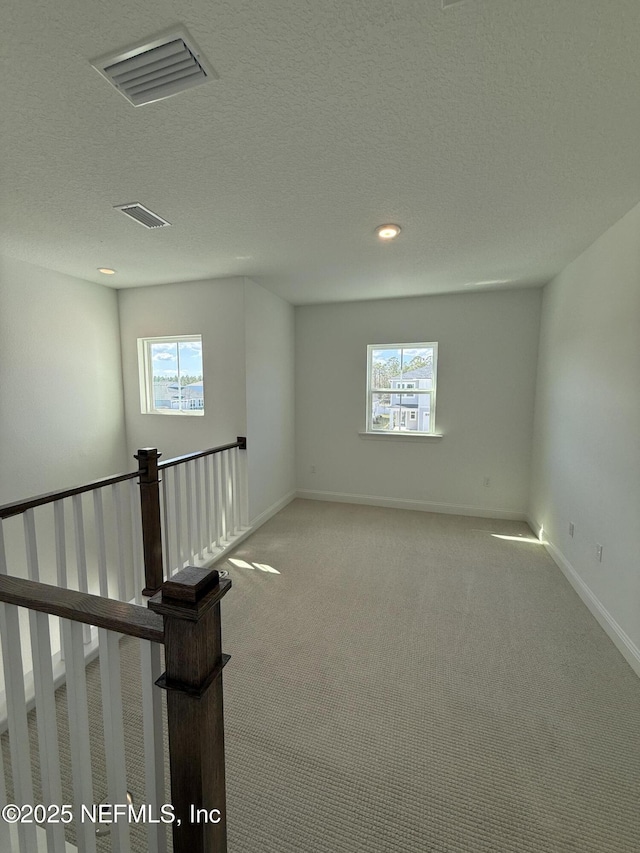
{"points": [[106, 271], [387, 232]]}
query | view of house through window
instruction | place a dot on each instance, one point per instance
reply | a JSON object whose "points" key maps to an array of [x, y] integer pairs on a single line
{"points": [[171, 378], [401, 388]]}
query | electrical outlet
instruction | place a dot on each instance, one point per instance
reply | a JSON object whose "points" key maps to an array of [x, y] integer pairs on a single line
{"points": [[571, 528], [599, 553], [312, 469], [486, 481]]}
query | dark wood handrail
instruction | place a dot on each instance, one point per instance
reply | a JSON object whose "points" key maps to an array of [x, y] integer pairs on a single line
{"points": [[129, 619], [178, 460], [19, 507]]}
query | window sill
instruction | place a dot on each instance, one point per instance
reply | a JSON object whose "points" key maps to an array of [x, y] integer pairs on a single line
{"points": [[399, 436], [176, 414]]}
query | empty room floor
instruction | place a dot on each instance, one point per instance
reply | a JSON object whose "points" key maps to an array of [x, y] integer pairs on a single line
{"points": [[405, 681]]}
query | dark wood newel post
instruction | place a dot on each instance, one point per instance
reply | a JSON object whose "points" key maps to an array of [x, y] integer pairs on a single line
{"points": [[150, 510], [190, 605]]}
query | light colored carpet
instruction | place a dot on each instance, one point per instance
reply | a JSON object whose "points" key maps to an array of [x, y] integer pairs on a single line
{"points": [[410, 683]]}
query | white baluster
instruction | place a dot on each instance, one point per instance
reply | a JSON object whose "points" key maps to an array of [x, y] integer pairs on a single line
{"points": [[217, 501], [60, 544], [44, 691], [79, 741], [208, 520], [244, 497], [114, 734], [31, 547], [3, 553], [198, 466], [81, 554], [47, 727], [178, 515], [150, 670], [235, 489], [118, 501], [81, 548], [166, 534], [191, 526], [17, 718], [60, 537], [223, 514], [101, 544], [7, 842], [136, 540], [231, 523]]}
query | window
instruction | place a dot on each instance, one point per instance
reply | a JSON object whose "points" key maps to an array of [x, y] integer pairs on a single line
{"points": [[393, 369], [171, 380]]}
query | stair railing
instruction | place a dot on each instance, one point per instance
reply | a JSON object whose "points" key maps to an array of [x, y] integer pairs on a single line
{"points": [[90, 565], [184, 617], [186, 511]]}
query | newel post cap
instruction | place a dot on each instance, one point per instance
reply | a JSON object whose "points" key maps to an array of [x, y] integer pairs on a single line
{"points": [[190, 593]]}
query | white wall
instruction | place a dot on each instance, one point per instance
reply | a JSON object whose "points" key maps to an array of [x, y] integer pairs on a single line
{"points": [[269, 323], [247, 344], [61, 407], [213, 309], [486, 381], [586, 459]]}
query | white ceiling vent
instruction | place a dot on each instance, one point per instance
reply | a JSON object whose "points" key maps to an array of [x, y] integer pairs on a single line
{"points": [[157, 69], [142, 215]]}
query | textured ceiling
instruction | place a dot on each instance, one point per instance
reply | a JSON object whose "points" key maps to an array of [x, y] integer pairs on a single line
{"points": [[502, 135]]}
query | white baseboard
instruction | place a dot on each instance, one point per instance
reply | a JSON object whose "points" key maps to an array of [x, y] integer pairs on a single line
{"points": [[401, 503], [272, 510], [622, 641], [255, 523]]}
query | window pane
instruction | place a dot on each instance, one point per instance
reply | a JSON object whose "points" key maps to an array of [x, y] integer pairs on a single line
{"points": [[403, 412], [171, 375], [385, 363], [164, 366], [401, 386], [190, 375], [407, 412], [380, 411], [417, 366]]}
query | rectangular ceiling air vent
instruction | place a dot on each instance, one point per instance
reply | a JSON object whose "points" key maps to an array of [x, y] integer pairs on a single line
{"points": [[142, 215], [163, 66]]}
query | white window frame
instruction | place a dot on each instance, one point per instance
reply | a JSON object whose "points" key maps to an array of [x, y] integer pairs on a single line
{"points": [[145, 370], [415, 392]]}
